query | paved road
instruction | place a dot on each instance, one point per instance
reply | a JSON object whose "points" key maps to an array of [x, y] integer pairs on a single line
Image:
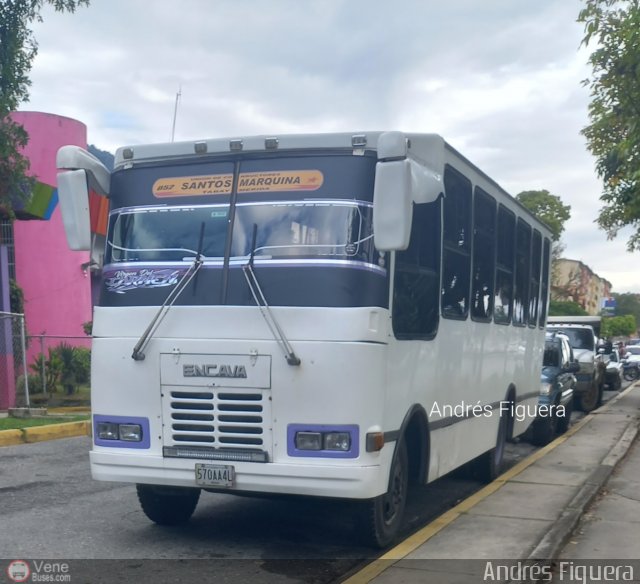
{"points": [[51, 508]]}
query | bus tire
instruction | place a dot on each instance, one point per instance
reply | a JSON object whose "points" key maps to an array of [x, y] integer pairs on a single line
{"points": [[590, 399], [490, 464], [381, 518], [167, 505]]}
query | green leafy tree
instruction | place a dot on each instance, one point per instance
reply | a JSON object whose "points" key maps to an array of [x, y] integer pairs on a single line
{"points": [[548, 208], [628, 303], [566, 308], [18, 48], [554, 213], [52, 368], [619, 326], [82, 364], [68, 368], [16, 297], [613, 134]]}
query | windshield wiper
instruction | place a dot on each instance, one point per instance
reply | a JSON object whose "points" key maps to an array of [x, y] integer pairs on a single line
{"points": [[138, 354], [264, 307]]}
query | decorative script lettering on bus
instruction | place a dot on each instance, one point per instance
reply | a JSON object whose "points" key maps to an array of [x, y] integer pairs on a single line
{"points": [[229, 371]]}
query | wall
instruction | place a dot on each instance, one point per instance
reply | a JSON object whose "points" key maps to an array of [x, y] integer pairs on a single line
{"points": [[574, 280], [57, 290]]}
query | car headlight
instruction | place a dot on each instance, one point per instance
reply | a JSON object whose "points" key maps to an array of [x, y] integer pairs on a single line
{"points": [[545, 388]]}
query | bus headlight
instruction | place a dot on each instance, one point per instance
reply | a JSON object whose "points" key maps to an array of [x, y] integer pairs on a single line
{"points": [[114, 431], [340, 441], [308, 440], [545, 388], [130, 432], [323, 440], [107, 431], [337, 441]]}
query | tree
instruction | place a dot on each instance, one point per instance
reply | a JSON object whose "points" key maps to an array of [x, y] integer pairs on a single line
{"points": [[566, 308], [619, 326], [613, 135], [16, 297], [18, 48], [548, 208], [554, 213], [628, 303]]}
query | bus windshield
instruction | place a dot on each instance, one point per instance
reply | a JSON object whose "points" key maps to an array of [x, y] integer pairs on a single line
{"points": [[284, 229]]}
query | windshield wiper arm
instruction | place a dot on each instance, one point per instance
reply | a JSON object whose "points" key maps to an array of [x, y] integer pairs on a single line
{"points": [[138, 354], [265, 309]]}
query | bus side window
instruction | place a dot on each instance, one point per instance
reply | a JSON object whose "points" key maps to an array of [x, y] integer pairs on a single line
{"points": [[523, 266], [505, 260], [544, 291], [456, 257], [484, 261], [536, 265], [417, 277]]}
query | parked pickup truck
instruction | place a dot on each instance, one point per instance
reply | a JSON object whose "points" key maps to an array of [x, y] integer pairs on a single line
{"points": [[583, 332]]}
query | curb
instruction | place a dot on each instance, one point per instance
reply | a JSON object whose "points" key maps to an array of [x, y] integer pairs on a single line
{"points": [[70, 410], [552, 542], [43, 433]]}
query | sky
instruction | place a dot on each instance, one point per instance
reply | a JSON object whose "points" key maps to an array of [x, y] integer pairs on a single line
{"points": [[500, 80]]}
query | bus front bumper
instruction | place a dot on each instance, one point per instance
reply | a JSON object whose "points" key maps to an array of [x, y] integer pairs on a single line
{"points": [[321, 480]]}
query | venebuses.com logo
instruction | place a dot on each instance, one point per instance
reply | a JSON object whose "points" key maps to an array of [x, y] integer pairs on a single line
{"points": [[18, 571], [38, 571]]}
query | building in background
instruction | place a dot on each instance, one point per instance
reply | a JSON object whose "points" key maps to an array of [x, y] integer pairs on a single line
{"points": [[56, 281], [574, 281]]}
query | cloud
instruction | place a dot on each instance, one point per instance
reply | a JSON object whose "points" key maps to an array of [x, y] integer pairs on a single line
{"points": [[500, 80]]}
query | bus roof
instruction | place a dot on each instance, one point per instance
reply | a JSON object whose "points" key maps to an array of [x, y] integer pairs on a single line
{"points": [[428, 149]]}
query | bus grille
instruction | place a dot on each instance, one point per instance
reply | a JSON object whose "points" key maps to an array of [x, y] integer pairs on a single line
{"points": [[219, 418]]}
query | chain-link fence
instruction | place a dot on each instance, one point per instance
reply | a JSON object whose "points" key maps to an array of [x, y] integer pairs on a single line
{"points": [[14, 378], [58, 364]]}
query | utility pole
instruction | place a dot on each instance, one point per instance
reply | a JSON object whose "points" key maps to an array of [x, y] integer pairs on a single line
{"points": [[175, 113]]}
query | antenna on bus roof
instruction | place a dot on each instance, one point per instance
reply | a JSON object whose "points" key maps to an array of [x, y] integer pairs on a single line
{"points": [[175, 113]]}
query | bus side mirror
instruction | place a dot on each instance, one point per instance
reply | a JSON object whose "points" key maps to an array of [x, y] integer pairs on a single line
{"points": [[73, 194], [80, 170], [392, 207]]}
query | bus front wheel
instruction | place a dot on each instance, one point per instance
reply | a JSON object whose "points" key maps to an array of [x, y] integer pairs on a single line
{"points": [[167, 505], [381, 518]]}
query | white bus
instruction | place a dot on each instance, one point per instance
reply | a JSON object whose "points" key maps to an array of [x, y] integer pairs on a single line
{"points": [[324, 315]]}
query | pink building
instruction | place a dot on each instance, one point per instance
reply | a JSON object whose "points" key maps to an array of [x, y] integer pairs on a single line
{"points": [[56, 281]]}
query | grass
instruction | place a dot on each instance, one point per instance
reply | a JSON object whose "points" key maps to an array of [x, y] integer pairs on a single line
{"points": [[19, 423]]}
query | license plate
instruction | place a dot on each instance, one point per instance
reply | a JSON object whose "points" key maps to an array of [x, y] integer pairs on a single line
{"points": [[215, 475]]}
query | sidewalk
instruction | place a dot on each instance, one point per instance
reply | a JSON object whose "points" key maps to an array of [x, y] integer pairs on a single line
{"points": [[528, 515], [611, 526]]}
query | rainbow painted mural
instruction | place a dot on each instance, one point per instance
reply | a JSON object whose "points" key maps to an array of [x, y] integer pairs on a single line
{"points": [[45, 199]]}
